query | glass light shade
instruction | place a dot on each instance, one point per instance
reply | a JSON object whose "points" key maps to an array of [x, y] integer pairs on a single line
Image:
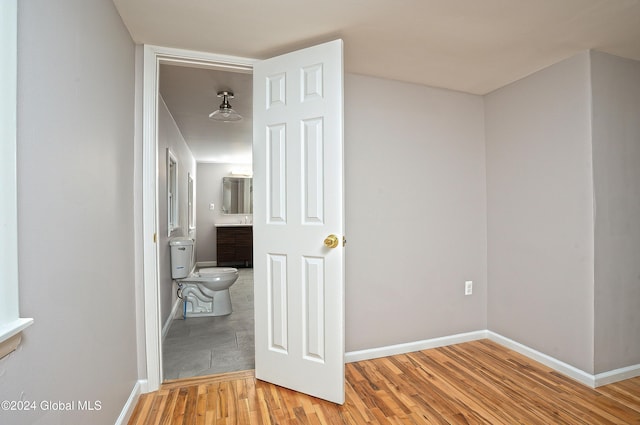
{"points": [[225, 115]]}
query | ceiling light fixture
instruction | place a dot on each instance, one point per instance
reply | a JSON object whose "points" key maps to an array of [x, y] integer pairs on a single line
{"points": [[225, 113]]}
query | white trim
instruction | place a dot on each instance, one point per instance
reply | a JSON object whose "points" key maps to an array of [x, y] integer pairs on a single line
{"points": [[153, 56], [167, 324], [553, 363], [588, 379], [7, 330], [616, 375], [390, 350], [130, 405], [144, 386], [150, 219], [191, 206], [581, 376], [573, 372], [173, 195], [10, 322]]}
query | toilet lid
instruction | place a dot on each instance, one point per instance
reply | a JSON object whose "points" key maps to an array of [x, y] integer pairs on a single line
{"points": [[212, 271]]}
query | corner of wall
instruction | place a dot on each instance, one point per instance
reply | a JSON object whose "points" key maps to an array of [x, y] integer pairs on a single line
{"points": [[540, 210]]}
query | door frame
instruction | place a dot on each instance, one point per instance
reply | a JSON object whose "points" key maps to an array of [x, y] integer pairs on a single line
{"points": [[153, 56]]}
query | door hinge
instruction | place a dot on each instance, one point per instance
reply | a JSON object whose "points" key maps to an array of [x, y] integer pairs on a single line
{"points": [[344, 241], [155, 238]]}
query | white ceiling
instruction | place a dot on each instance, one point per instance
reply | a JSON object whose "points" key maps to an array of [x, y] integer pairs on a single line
{"points": [[474, 46], [191, 95]]}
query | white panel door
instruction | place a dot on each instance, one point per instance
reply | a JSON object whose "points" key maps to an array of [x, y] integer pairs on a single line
{"points": [[298, 192]]}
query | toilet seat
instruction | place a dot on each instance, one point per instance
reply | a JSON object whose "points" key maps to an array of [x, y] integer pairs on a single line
{"points": [[216, 271]]}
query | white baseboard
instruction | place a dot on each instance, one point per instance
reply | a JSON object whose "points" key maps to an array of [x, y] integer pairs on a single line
{"points": [[130, 405], [390, 350], [616, 375], [144, 386], [555, 364], [207, 264], [581, 376], [165, 329]]}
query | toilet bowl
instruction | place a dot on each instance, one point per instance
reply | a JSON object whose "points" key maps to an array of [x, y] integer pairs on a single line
{"points": [[204, 292]]}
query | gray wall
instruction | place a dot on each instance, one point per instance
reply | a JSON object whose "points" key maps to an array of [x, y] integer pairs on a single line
{"points": [[209, 191], [540, 212], [169, 136], [75, 203], [415, 212], [616, 160]]}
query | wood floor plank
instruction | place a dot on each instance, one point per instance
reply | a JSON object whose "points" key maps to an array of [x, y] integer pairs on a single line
{"points": [[142, 407], [166, 417], [625, 392], [478, 382], [263, 408], [181, 403], [157, 408], [211, 403], [201, 405]]}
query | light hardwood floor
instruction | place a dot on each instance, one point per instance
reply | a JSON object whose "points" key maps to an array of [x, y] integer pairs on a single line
{"points": [[478, 382]]}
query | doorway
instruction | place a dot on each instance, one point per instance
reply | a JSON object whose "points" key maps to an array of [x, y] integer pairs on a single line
{"points": [[153, 58], [210, 153], [299, 95]]}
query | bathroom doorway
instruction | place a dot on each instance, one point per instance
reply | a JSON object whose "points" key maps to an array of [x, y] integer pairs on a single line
{"points": [[307, 67], [212, 151]]}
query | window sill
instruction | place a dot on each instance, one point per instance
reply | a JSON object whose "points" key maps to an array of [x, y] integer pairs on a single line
{"points": [[8, 330]]}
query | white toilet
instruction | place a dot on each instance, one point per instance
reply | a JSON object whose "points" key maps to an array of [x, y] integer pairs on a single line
{"points": [[204, 292]]}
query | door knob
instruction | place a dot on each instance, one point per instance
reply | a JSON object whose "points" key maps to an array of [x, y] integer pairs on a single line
{"points": [[331, 241]]}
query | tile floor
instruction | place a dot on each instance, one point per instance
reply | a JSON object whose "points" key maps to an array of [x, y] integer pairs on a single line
{"points": [[208, 345]]}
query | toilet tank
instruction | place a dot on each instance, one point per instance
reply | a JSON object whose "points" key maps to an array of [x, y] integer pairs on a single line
{"points": [[181, 257]]}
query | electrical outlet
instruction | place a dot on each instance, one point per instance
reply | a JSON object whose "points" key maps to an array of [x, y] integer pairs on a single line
{"points": [[468, 287]]}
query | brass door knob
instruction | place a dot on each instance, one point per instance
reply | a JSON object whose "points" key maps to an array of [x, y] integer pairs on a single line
{"points": [[331, 241]]}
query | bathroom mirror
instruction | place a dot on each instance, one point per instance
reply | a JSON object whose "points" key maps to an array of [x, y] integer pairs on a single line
{"points": [[237, 195]]}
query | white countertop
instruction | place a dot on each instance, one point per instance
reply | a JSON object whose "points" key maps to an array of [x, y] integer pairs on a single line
{"points": [[233, 224]]}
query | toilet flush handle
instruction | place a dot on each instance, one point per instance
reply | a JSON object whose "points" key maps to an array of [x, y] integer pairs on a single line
{"points": [[331, 241]]}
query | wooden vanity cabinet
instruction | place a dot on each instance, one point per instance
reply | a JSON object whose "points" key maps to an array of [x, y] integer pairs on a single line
{"points": [[234, 246]]}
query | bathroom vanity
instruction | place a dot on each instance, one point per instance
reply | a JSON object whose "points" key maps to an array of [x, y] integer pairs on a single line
{"points": [[234, 243]]}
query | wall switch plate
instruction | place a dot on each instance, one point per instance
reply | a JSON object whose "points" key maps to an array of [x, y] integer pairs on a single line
{"points": [[468, 287]]}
